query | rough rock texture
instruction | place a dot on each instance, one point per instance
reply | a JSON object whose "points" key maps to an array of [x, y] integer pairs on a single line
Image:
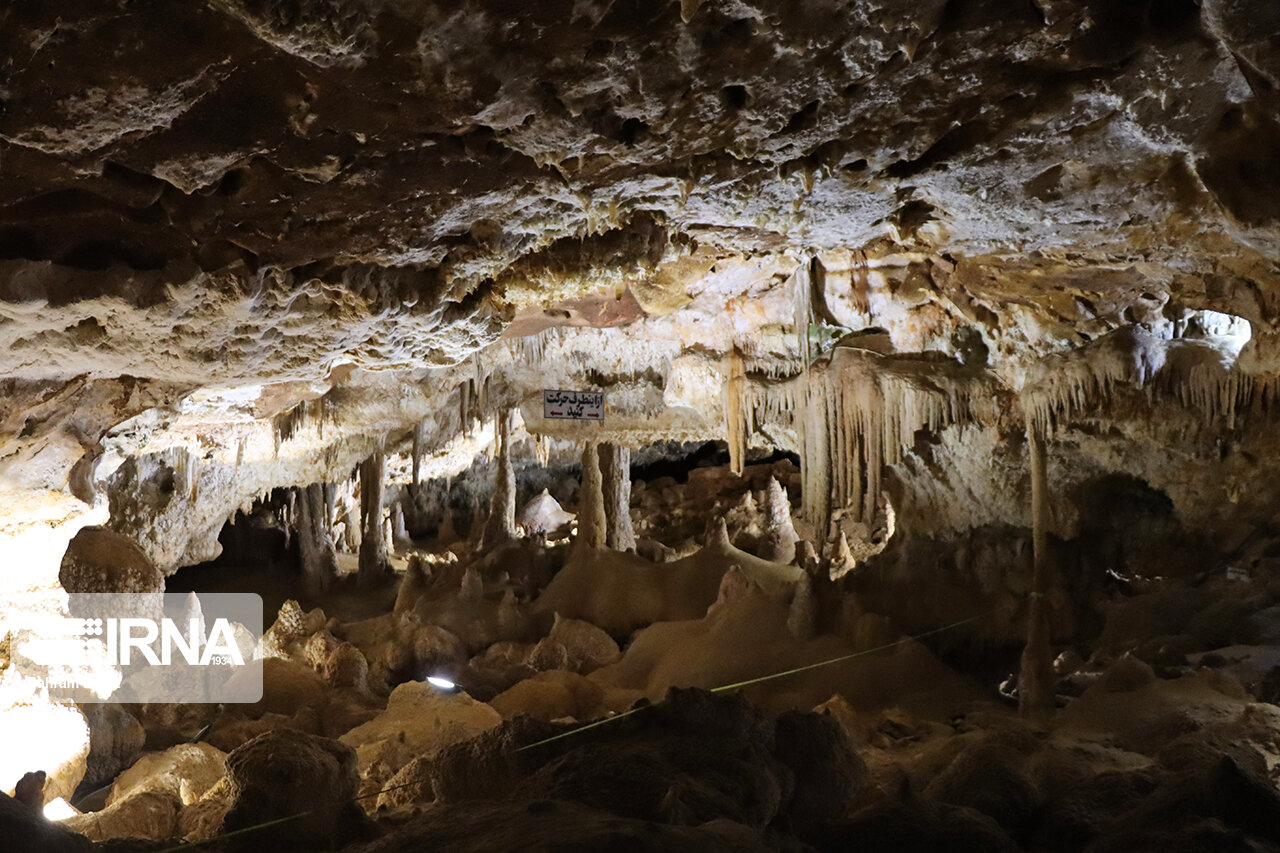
{"points": [[284, 773], [419, 720], [103, 561], [249, 245], [243, 245], [115, 740], [146, 814], [186, 771]]}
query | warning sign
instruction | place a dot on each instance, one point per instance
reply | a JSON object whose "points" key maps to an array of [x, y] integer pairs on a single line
{"points": [[573, 405]]}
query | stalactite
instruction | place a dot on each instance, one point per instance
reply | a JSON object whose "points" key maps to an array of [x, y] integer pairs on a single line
{"points": [[419, 447], [802, 308], [854, 412], [1035, 688], [446, 534], [531, 349], [615, 473], [316, 412], [736, 412], [859, 281], [1197, 374]]}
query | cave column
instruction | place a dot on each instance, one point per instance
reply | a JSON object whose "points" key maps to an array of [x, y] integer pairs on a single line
{"points": [[591, 512], [1035, 688], [501, 526], [315, 540], [419, 443], [373, 544], [615, 474]]}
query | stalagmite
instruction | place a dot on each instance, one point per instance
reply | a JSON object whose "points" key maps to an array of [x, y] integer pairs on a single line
{"points": [[802, 614], [315, 539], [780, 538], [373, 545], [843, 561], [447, 533], [1035, 688], [399, 533], [615, 474], [591, 513], [501, 524]]}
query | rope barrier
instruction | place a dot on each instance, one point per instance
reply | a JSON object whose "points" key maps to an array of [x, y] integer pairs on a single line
{"points": [[724, 688]]}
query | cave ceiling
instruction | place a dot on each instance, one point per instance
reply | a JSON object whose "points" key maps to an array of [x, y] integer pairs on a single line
{"points": [[214, 212]]}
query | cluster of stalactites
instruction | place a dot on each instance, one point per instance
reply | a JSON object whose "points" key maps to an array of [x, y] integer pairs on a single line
{"points": [[854, 412], [308, 413], [186, 470], [1197, 374], [472, 397], [532, 349]]}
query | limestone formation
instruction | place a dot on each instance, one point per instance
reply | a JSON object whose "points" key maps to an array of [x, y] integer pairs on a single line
{"points": [[543, 516], [991, 290], [315, 538], [592, 521], [615, 474], [501, 524], [284, 774], [373, 545], [103, 561]]}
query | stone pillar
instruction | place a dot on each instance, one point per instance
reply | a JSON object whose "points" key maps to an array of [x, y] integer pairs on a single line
{"points": [[373, 544], [419, 440], [1035, 684], [615, 475], [591, 515], [501, 526], [315, 540]]}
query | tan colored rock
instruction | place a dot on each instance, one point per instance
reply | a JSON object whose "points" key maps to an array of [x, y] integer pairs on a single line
{"points": [[419, 720], [585, 646], [346, 667], [549, 696], [102, 560], [286, 773], [203, 820], [115, 740], [409, 787], [145, 814], [187, 771]]}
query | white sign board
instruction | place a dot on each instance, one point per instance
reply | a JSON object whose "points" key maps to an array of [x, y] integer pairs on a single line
{"points": [[573, 405]]}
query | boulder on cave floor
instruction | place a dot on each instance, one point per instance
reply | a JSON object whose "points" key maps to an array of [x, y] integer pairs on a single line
{"points": [[288, 774]]}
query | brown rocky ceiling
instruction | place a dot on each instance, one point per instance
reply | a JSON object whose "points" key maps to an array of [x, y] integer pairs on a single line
{"points": [[355, 197]]}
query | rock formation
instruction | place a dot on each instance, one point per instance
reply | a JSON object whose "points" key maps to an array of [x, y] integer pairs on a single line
{"points": [[989, 290]]}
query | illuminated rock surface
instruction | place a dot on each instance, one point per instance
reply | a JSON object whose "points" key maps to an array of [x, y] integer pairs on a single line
{"points": [[839, 268]]}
